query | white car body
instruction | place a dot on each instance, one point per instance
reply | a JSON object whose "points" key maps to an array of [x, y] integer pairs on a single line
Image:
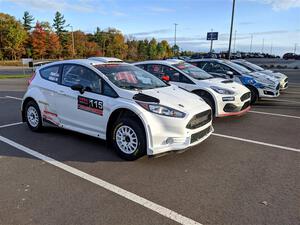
{"points": [[225, 104], [61, 105], [282, 78]]}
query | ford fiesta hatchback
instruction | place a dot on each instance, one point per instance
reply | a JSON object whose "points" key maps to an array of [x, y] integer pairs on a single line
{"points": [[118, 102]]}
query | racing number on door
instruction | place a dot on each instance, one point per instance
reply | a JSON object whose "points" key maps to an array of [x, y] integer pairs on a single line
{"points": [[90, 105]]}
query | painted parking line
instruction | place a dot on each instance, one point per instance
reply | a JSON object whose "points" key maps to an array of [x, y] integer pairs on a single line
{"points": [[280, 100], [11, 124], [257, 142], [12, 97], [106, 185], [274, 114]]}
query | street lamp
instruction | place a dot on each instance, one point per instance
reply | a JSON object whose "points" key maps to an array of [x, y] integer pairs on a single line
{"points": [[231, 27], [73, 46]]}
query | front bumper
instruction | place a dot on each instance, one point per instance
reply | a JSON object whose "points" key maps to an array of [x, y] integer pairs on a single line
{"points": [[171, 134], [268, 93], [284, 83], [239, 106]]}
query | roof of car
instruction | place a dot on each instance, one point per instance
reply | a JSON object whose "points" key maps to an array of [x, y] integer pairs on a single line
{"points": [[205, 60], [168, 62], [87, 62]]}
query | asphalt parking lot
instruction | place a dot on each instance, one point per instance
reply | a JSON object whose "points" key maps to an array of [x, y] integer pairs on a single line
{"points": [[247, 172]]}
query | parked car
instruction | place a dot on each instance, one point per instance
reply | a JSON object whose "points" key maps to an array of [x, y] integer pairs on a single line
{"points": [[118, 102], [209, 55], [282, 78], [260, 85], [287, 56], [225, 97]]}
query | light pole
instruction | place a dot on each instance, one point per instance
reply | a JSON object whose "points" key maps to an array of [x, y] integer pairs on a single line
{"points": [[251, 43], [295, 48], [175, 24], [263, 46], [234, 41], [231, 27], [73, 45]]}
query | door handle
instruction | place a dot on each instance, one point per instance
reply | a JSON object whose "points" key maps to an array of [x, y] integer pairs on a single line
{"points": [[61, 92]]}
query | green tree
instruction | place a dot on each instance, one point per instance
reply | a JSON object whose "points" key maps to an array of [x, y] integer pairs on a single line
{"points": [[59, 24], [12, 37], [27, 21], [152, 49]]}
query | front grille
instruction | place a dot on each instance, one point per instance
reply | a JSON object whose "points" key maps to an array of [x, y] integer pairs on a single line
{"points": [[277, 87], [199, 120], [245, 96], [246, 105], [286, 80], [197, 136], [229, 107]]}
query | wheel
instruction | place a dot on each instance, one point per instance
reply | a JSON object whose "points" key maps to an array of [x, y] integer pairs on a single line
{"points": [[209, 100], [254, 94], [129, 139], [33, 116]]}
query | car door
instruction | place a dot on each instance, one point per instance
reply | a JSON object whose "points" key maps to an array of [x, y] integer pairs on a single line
{"points": [[84, 111]]}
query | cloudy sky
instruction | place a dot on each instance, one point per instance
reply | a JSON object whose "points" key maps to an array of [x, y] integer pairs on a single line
{"points": [[274, 22]]}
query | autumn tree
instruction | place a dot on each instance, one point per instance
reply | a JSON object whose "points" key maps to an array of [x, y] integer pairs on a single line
{"points": [[39, 41], [152, 49], [27, 21], [12, 37], [53, 45]]}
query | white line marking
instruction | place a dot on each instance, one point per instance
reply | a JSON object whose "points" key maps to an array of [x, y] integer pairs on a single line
{"points": [[274, 114], [280, 100], [291, 92], [10, 125], [257, 142], [104, 184], [12, 97]]}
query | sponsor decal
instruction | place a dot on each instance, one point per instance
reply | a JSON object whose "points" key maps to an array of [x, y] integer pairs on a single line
{"points": [[90, 105]]}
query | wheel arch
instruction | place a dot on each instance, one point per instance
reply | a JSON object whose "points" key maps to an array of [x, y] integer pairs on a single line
{"points": [[121, 112], [199, 91], [24, 103]]}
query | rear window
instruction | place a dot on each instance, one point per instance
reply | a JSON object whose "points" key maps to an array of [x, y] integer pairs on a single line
{"points": [[50, 73]]}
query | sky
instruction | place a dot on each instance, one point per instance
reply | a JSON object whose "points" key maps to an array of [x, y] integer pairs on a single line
{"points": [[274, 24]]}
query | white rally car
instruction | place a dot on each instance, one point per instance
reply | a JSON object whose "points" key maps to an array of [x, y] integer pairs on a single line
{"points": [[112, 100], [225, 97], [282, 78]]}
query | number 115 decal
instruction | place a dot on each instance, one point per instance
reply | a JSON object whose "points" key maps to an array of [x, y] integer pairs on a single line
{"points": [[90, 105]]}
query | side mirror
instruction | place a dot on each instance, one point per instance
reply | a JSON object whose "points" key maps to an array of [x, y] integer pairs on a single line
{"points": [[78, 87], [230, 74], [165, 78]]}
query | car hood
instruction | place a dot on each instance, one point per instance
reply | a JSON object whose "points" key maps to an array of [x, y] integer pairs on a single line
{"points": [[264, 78], [223, 83], [275, 74], [174, 97]]}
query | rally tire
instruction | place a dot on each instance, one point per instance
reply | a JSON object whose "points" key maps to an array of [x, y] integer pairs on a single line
{"points": [[254, 94], [129, 139], [33, 116]]}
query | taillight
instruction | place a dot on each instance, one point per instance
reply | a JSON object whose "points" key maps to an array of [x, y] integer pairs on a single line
{"points": [[31, 78]]}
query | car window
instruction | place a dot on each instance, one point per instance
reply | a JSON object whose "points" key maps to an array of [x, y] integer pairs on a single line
{"points": [[76, 74], [198, 64], [108, 90], [130, 77], [218, 68], [50, 73]]}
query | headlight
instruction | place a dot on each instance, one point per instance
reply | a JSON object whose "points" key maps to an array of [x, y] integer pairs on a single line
{"points": [[222, 90], [161, 110]]}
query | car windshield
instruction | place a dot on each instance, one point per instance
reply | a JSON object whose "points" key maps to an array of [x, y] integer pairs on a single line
{"points": [[239, 68], [253, 66], [193, 71], [130, 77]]}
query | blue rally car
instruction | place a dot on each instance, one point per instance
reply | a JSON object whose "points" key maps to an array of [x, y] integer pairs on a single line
{"points": [[260, 85]]}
